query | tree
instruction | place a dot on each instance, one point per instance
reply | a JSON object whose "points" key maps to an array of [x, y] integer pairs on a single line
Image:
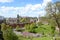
{"points": [[17, 28], [53, 9], [39, 23], [27, 27], [23, 20], [3, 27], [8, 33], [31, 27]]}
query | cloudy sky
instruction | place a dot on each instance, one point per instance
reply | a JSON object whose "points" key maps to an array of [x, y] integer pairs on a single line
{"points": [[33, 8]]}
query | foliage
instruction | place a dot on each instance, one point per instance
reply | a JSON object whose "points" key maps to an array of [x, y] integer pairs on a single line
{"points": [[17, 28], [3, 27], [52, 22], [43, 38], [8, 33], [38, 38], [27, 26], [57, 38], [23, 20], [53, 9], [31, 27], [39, 24], [46, 30], [22, 38]]}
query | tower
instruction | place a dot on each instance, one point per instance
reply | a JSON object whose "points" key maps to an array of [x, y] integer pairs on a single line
{"points": [[18, 18]]}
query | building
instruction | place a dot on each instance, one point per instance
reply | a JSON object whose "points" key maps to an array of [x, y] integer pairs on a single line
{"points": [[17, 21], [11, 20]]}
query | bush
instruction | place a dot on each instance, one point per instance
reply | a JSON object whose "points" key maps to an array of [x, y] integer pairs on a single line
{"points": [[46, 30], [3, 27], [58, 38], [19, 29], [31, 27], [8, 33]]}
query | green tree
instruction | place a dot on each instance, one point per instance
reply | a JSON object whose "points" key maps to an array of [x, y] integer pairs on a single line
{"points": [[17, 28], [39, 24], [3, 27], [23, 20], [45, 30], [8, 33], [53, 10], [33, 27], [27, 27]]}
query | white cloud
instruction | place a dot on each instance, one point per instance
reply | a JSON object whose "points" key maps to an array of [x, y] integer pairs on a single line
{"points": [[29, 9], [37, 6], [6, 1], [45, 2], [19, 10]]}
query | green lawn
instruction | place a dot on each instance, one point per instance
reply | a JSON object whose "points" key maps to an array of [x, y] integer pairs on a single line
{"points": [[43, 38], [38, 38]]}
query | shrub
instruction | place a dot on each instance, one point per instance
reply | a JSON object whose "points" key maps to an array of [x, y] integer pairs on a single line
{"points": [[8, 33]]}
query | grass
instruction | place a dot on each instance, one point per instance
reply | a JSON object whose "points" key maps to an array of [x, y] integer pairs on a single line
{"points": [[36, 38], [43, 38]]}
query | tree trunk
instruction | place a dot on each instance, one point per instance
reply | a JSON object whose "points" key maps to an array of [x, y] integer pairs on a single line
{"points": [[58, 24]]}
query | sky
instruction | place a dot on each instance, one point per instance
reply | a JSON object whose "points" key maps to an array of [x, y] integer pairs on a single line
{"points": [[31, 8]]}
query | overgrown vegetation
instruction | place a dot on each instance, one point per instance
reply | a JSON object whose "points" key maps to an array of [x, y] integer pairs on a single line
{"points": [[47, 27], [8, 33]]}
